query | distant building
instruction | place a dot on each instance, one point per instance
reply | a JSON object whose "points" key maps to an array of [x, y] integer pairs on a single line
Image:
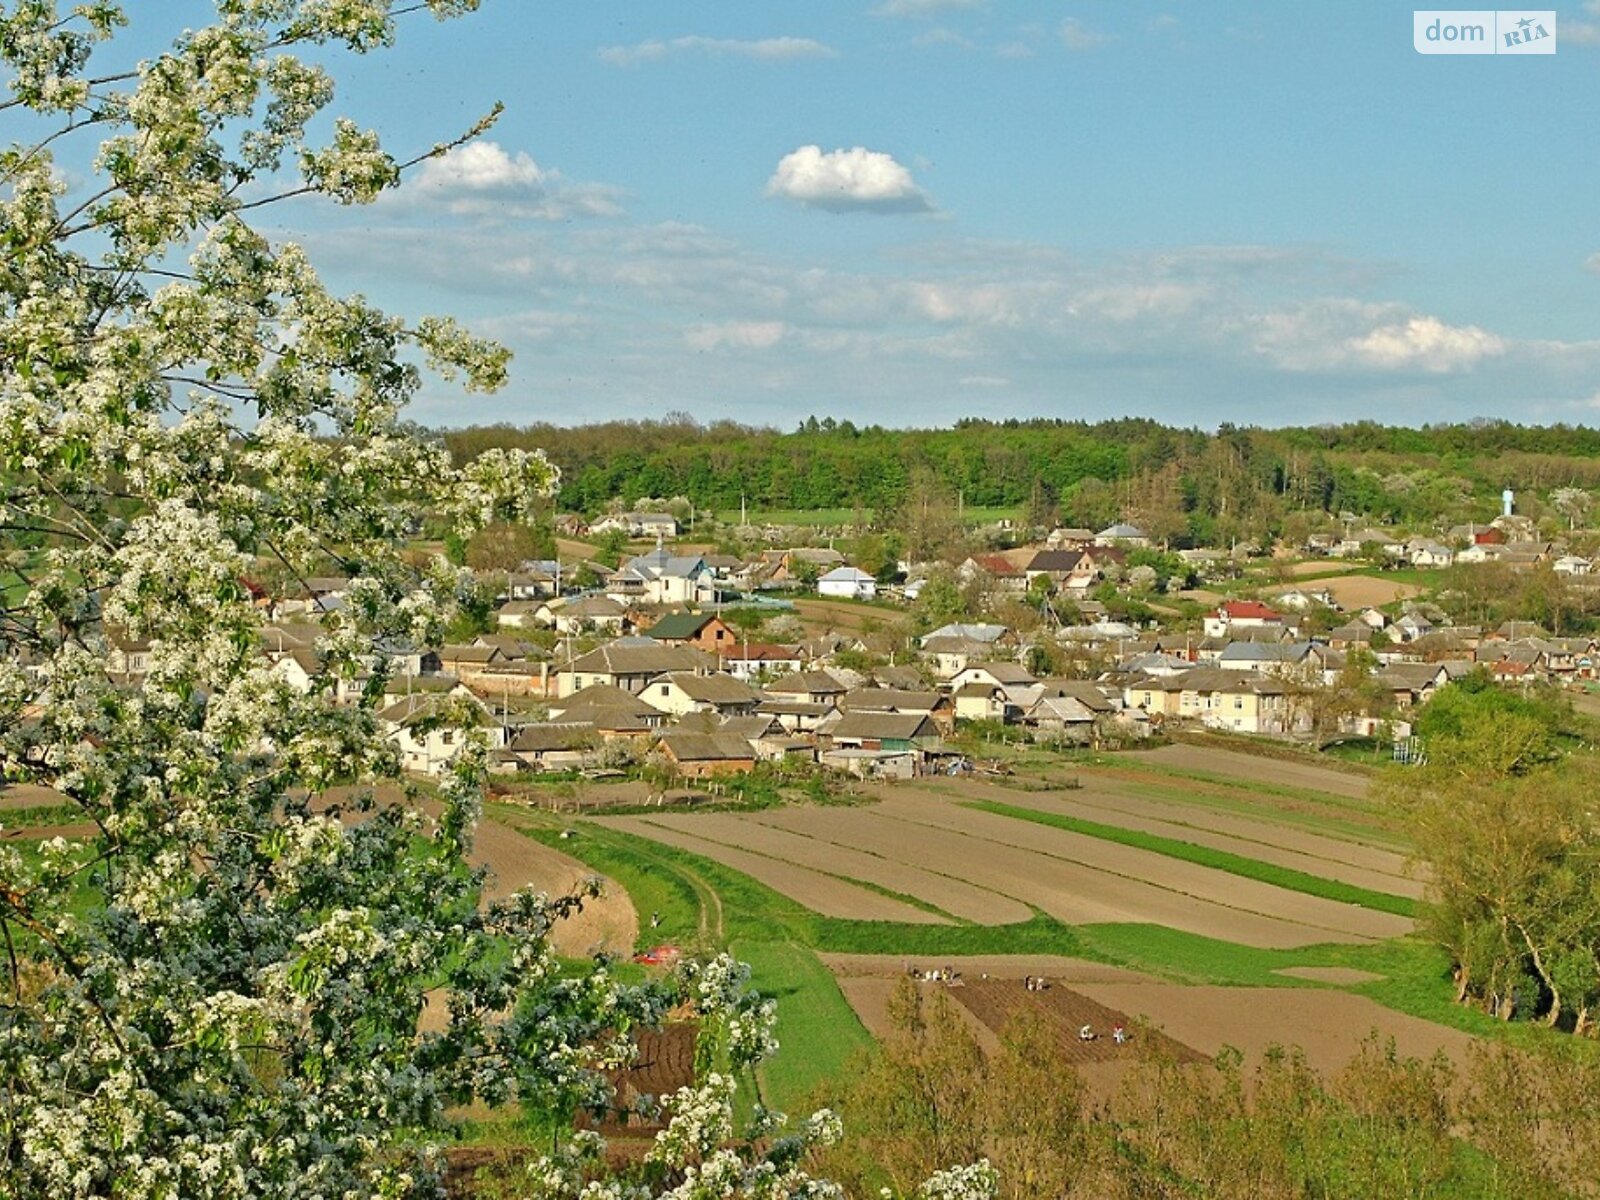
{"points": [[847, 583]]}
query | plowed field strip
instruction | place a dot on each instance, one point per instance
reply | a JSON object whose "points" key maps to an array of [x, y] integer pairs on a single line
{"points": [[1205, 856], [1196, 812], [1068, 889], [818, 892], [954, 896], [1136, 815], [1232, 764], [1192, 880]]}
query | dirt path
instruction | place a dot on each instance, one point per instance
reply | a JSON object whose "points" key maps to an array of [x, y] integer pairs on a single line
{"points": [[42, 833]]}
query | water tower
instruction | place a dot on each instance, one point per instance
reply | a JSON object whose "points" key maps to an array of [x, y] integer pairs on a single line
{"points": [[1506, 500]]}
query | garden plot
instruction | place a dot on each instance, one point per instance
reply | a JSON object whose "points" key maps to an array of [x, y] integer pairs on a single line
{"points": [[817, 891], [1083, 880], [1254, 768], [954, 896], [1073, 892], [1266, 840]]}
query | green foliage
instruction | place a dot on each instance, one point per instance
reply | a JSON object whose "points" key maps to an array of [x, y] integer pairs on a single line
{"points": [[1181, 483], [1505, 1124], [1515, 866], [1476, 728], [611, 547]]}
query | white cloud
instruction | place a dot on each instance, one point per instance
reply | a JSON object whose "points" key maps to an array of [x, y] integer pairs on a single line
{"points": [[1344, 334], [984, 381], [854, 180], [1015, 50], [482, 179], [923, 8], [480, 167], [1592, 263], [774, 49], [743, 335], [1075, 35], [940, 36], [1428, 343]]}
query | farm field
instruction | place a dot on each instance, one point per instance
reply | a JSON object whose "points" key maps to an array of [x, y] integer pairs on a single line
{"points": [[1203, 891], [1354, 591], [926, 842]]}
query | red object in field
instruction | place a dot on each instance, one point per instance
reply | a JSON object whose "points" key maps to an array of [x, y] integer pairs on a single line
{"points": [[659, 956]]}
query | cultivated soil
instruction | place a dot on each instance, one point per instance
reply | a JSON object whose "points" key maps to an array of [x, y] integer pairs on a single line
{"points": [[1253, 768], [822, 893], [1362, 591]]}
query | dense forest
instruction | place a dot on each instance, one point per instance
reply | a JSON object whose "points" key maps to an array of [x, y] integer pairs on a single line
{"points": [[1181, 484]]}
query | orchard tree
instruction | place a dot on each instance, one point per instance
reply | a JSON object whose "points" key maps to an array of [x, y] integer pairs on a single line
{"points": [[218, 992]]}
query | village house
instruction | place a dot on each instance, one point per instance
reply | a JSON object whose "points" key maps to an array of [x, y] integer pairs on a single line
{"points": [[1072, 710], [707, 755], [979, 701], [664, 579], [1065, 569], [1410, 684], [868, 744], [534, 581], [1354, 542], [552, 746], [1122, 534], [630, 664], [685, 692], [430, 729], [997, 569], [796, 717], [992, 674], [937, 706], [747, 660], [1238, 701], [638, 524], [814, 687], [614, 714], [1234, 615], [703, 631], [847, 583], [1425, 552], [1069, 538], [1572, 564], [568, 615]]}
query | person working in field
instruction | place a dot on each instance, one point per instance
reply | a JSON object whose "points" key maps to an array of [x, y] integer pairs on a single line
{"points": [[1086, 1034]]}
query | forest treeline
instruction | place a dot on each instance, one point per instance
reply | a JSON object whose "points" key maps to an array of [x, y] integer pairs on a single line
{"points": [[1182, 484]]}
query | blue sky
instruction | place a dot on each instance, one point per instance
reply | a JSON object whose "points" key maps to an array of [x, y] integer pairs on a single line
{"points": [[909, 211]]}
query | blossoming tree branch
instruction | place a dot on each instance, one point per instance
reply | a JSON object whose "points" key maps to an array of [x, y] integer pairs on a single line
{"points": [[218, 991]]}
